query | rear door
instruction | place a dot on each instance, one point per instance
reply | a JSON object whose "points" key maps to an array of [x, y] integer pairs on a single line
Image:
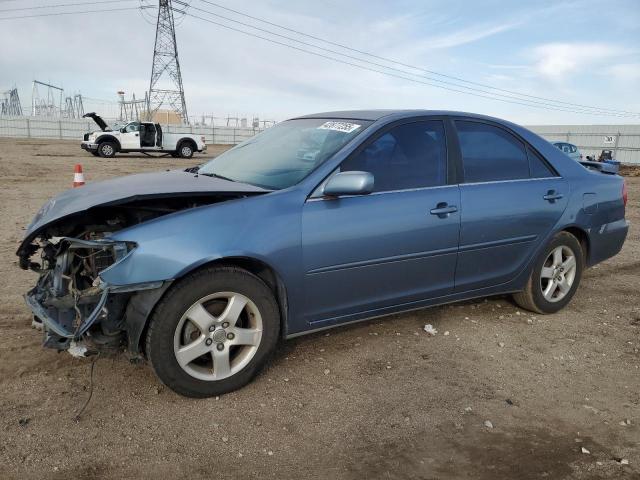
{"points": [[511, 199], [395, 246]]}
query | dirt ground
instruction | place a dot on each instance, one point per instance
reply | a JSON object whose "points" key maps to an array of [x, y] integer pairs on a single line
{"points": [[381, 399]]}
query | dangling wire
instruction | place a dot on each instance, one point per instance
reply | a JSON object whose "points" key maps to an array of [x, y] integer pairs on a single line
{"points": [[76, 418]]}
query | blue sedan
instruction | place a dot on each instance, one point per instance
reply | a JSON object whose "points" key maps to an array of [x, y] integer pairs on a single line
{"points": [[320, 221]]}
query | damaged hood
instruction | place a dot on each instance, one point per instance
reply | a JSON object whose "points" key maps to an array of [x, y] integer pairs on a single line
{"points": [[122, 190]]}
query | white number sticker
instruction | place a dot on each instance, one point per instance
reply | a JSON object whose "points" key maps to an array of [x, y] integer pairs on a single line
{"points": [[345, 127]]}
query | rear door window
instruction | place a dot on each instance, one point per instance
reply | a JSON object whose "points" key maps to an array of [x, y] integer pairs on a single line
{"points": [[491, 153], [538, 166]]}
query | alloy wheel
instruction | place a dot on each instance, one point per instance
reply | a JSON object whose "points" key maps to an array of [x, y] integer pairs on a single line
{"points": [[218, 336], [558, 273]]}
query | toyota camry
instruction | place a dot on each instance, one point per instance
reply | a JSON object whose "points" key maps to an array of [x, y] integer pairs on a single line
{"points": [[319, 221]]}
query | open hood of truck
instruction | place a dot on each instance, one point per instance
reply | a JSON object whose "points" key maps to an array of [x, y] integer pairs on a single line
{"points": [[133, 188], [99, 121]]}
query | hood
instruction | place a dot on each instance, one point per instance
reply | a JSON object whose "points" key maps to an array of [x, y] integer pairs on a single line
{"points": [[99, 121], [122, 190]]}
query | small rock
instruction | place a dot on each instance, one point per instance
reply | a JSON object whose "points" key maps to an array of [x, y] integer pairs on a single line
{"points": [[430, 330], [23, 422], [517, 312], [624, 461], [286, 379], [584, 450], [225, 439], [270, 453], [501, 344], [388, 367], [327, 371], [529, 321], [446, 334], [488, 424], [468, 409]]}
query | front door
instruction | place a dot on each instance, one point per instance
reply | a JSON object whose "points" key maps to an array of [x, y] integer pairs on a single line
{"points": [[397, 245], [510, 198], [130, 138]]}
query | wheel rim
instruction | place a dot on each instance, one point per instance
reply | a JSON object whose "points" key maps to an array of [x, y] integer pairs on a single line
{"points": [[186, 151], [107, 150], [558, 274], [218, 336]]}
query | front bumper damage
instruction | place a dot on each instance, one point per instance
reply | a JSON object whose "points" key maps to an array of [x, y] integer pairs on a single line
{"points": [[71, 300]]}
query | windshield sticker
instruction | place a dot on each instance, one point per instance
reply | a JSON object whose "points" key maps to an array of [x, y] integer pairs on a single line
{"points": [[345, 127]]}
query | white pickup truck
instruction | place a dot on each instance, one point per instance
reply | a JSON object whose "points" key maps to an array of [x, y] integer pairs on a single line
{"points": [[146, 137]]}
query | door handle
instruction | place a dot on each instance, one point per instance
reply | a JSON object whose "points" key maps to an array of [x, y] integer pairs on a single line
{"points": [[443, 210], [552, 196]]}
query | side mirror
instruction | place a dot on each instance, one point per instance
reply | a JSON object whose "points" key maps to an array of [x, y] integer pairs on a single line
{"points": [[349, 183], [123, 130]]}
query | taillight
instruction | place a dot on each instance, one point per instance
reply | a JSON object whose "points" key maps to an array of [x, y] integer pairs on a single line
{"points": [[625, 194]]}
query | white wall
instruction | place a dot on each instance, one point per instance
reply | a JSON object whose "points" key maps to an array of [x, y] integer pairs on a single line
{"points": [[592, 139], [70, 129]]}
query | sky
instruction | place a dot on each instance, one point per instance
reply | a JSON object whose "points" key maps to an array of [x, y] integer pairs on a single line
{"points": [[583, 52]]}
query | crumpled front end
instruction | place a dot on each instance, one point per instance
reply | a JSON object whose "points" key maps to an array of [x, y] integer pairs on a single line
{"points": [[71, 300]]}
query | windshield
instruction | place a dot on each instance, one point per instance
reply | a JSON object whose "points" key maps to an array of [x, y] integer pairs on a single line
{"points": [[283, 155]]}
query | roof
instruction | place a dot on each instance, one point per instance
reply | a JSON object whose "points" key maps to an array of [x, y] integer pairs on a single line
{"points": [[374, 115]]}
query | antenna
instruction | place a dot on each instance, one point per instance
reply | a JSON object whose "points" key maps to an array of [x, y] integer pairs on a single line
{"points": [[165, 87]]}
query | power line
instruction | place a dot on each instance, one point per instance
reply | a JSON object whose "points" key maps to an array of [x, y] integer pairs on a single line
{"points": [[37, 7], [69, 13], [482, 94], [431, 72]]}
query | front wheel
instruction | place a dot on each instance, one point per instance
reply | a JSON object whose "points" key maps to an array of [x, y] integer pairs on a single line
{"points": [[555, 276], [213, 332], [107, 149]]}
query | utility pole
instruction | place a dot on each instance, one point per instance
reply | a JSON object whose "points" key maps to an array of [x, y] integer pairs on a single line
{"points": [[165, 87]]}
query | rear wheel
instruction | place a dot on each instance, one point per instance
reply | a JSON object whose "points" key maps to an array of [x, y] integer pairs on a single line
{"points": [[185, 150], [213, 332], [107, 149], [555, 276]]}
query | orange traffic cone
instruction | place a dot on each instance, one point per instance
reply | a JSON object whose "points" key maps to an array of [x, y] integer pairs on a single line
{"points": [[78, 176]]}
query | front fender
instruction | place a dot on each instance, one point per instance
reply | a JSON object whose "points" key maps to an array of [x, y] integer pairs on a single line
{"points": [[111, 138], [265, 228]]}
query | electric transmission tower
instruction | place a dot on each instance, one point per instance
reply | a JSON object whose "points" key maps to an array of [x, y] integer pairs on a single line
{"points": [[10, 103], [165, 87]]}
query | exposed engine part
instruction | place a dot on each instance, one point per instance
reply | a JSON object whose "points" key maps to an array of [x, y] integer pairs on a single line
{"points": [[77, 311]]}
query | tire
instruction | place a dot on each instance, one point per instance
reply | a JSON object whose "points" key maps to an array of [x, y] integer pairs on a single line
{"points": [[107, 149], [186, 356], [185, 150], [550, 268]]}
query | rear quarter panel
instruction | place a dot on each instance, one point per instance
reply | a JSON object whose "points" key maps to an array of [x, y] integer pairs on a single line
{"points": [[595, 204]]}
